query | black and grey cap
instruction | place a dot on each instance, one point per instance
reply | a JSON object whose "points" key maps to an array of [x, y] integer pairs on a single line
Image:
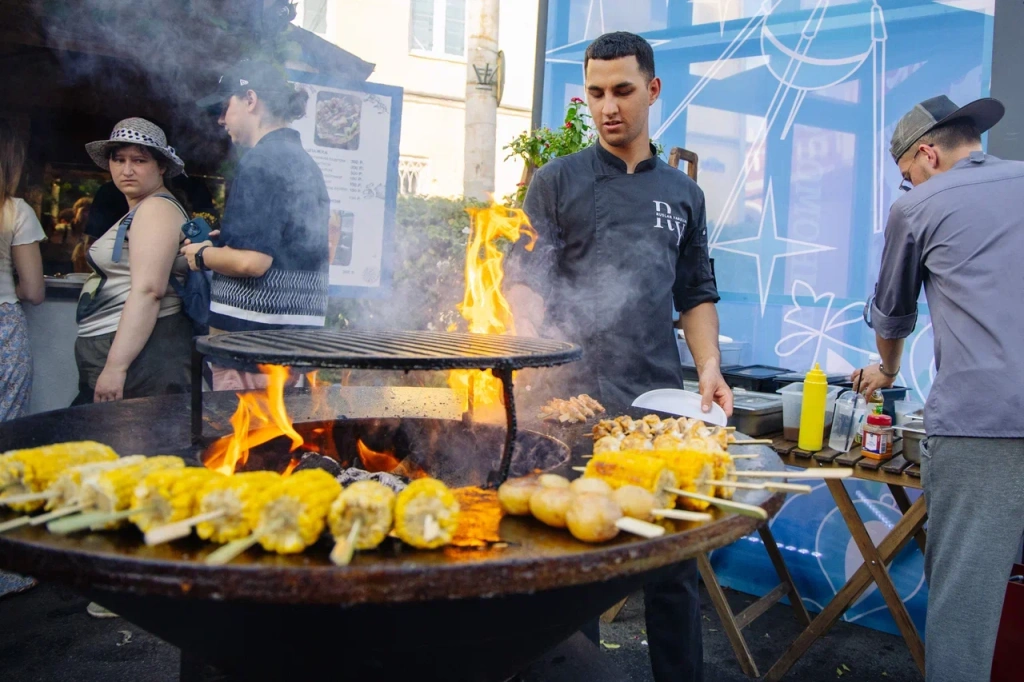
{"points": [[937, 111], [248, 74]]}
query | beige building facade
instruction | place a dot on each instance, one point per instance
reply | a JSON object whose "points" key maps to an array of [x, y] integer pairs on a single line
{"points": [[420, 46]]}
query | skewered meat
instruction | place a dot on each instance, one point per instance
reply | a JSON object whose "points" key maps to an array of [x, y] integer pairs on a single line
{"points": [[608, 427], [34, 470], [549, 505], [636, 502], [723, 469], [582, 485], [169, 495], [292, 513], [634, 468], [370, 503], [607, 444], [577, 409], [591, 518], [655, 424], [553, 481], [236, 497], [636, 441], [515, 493], [426, 514], [669, 441]]}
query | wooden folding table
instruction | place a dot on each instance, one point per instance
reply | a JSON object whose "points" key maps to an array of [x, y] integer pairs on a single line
{"points": [[898, 475]]}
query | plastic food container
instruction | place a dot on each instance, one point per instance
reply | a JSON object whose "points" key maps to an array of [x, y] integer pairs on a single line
{"points": [[792, 400], [756, 414]]}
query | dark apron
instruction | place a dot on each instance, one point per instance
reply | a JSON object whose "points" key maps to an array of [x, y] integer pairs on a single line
{"points": [[618, 303]]}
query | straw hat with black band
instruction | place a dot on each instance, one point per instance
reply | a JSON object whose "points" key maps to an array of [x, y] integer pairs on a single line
{"points": [[141, 132], [938, 111]]}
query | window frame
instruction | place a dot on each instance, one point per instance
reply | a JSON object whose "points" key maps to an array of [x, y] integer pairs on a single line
{"points": [[439, 35]]}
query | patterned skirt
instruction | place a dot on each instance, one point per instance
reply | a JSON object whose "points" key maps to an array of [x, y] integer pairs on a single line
{"points": [[15, 362]]}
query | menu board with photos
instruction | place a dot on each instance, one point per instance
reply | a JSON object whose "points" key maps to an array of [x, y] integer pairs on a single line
{"points": [[353, 135]]}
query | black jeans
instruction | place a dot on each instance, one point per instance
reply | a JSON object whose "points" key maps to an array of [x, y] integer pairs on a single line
{"points": [[674, 638], [672, 611]]}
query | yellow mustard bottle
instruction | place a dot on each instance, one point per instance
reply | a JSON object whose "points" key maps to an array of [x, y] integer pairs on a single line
{"points": [[812, 410]]}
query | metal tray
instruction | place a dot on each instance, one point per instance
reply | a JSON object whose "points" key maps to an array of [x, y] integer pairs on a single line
{"points": [[756, 414]]}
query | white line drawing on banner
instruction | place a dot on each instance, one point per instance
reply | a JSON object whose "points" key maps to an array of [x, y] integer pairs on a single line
{"points": [[791, 343], [791, 247], [723, 7], [832, 72], [755, 23]]}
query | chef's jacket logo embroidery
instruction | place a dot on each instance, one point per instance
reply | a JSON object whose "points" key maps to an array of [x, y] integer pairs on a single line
{"points": [[664, 219]]}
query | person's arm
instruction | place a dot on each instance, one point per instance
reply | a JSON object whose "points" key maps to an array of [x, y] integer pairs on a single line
{"points": [[228, 261], [893, 311], [28, 263], [528, 272], [154, 244], [695, 295]]}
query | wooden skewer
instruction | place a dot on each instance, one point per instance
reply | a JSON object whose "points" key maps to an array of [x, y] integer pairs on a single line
{"points": [[431, 528], [26, 497], [735, 507], [343, 550], [638, 527], [744, 456], [16, 522], [776, 487], [730, 429], [179, 529], [228, 552], [682, 515], [820, 473], [737, 484], [580, 469], [55, 514], [757, 441], [90, 520]]}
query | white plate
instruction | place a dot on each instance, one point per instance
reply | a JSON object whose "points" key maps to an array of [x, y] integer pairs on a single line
{"points": [[681, 403]]}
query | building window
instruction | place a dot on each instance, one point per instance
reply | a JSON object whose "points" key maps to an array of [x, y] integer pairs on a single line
{"points": [[438, 27], [412, 174], [314, 15]]}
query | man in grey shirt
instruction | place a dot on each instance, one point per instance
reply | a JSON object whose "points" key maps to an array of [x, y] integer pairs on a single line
{"points": [[959, 232]]}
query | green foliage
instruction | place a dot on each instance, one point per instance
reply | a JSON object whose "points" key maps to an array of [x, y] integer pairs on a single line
{"points": [[431, 234]]}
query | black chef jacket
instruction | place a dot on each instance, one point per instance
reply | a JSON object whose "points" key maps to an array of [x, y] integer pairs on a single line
{"points": [[615, 253]]}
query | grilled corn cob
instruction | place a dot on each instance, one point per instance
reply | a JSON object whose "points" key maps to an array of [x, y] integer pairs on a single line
{"points": [[373, 504], [169, 495], [426, 514], [691, 469], [634, 468], [112, 491], [291, 514], [35, 469], [724, 470], [235, 496], [67, 489]]}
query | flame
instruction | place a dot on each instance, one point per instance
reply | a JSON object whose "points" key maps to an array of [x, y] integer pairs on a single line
{"points": [[260, 417], [484, 306], [387, 462]]}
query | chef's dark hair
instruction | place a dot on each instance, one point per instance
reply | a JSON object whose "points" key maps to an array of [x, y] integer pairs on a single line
{"points": [[622, 44], [285, 104]]}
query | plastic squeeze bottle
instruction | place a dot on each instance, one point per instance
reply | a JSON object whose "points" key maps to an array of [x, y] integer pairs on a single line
{"points": [[812, 410]]}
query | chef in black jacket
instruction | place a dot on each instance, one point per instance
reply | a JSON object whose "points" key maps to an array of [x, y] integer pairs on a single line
{"points": [[622, 241]]}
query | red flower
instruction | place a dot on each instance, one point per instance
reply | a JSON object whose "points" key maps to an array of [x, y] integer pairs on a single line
{"points": [[576, 100], [568, 124]]}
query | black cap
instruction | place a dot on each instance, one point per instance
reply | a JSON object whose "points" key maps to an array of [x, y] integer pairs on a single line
{"points": [[932, 113], [246, 75]]}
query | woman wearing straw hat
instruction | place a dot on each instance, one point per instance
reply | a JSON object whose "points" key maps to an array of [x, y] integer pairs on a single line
{"points": [[133, 337]]}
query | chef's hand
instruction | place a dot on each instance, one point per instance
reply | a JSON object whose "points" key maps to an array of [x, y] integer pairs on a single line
{"points": [[871, 379], [189, 251], [714, 389], [109, 385]]}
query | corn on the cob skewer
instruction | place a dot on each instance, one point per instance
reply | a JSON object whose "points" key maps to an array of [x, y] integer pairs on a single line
{"points": [[727, 505], [360, 518], [169, 495], [634, 468], [34, 470], [691, 470], [179, 529], [233, 496], [426, 514]]}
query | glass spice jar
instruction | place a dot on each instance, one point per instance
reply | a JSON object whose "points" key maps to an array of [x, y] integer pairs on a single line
{"points": [[876, 442]]}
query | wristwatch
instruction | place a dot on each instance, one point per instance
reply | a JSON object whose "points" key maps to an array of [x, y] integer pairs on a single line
{"points": [[202, 266], [881, 367]]}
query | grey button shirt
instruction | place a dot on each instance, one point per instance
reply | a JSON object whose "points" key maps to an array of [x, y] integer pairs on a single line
{"points": [[961, 236]]}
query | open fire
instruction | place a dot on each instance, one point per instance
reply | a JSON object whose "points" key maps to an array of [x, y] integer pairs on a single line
{"points": [[484, 305]]}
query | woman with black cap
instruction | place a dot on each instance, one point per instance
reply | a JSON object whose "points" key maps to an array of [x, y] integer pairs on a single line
{"points": [[134, 339]]}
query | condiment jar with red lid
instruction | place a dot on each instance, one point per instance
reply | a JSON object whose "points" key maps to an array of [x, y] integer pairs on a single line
{"points": [[876, 442]]}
